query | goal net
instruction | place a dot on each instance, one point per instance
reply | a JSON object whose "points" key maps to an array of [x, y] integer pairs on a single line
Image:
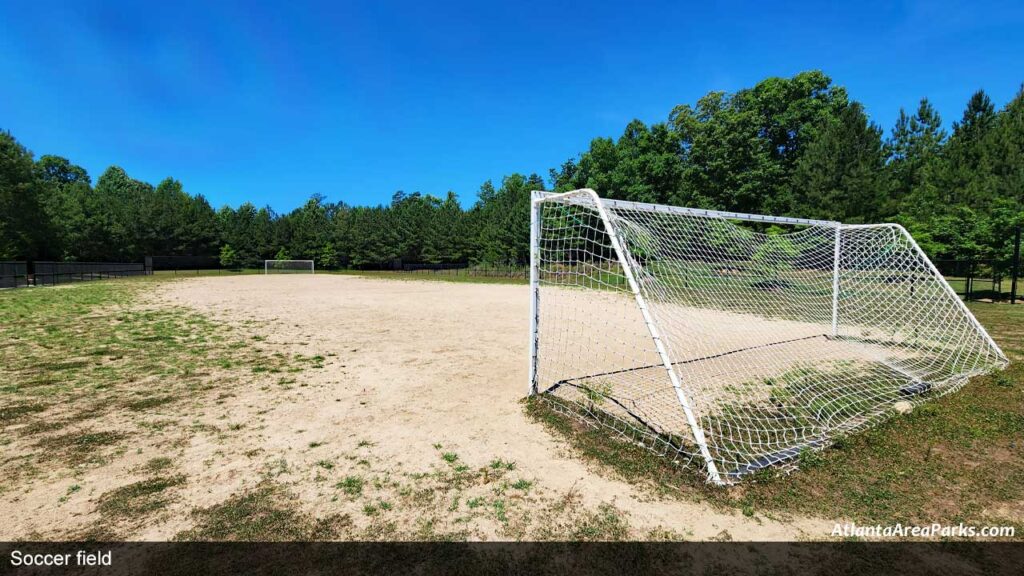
{"points": [[288, 267], [718, 339]]}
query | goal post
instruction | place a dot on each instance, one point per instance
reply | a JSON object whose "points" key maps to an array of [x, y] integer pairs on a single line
{"points": [[289, 267], [714, 339]]}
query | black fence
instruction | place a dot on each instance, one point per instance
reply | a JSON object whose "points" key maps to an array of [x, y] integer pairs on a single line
{"points": [[13, 274], [983, 280], [514, 270], [20, 274], [53, 273], [175, 263], [980, 280]]}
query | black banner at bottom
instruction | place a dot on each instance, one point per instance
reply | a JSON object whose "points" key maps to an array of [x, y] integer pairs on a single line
{"points": [[258, 558]]}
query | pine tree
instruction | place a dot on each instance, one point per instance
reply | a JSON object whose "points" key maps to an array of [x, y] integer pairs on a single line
{"points": [[840, 174], [962, 177], [913, 151]]}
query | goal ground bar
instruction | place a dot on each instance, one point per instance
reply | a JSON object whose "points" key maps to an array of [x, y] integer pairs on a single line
{"points": [[689, 361]]}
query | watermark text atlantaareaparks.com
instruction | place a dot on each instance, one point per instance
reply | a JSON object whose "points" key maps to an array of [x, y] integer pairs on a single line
{"points": [[936, 530]]}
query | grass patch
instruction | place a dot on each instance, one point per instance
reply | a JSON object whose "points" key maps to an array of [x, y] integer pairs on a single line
{"points": [[148, 403], [603, 524], [499, 464], [80, 448], [107, 344], [351, 485], [138, 499], [92, 349], [631, 462], [266, 513], [158, 464], [958, 458], [9, 414]]}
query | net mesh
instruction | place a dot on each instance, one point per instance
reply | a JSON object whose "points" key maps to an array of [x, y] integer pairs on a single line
{"points": [[745, 318], [288, 267]]}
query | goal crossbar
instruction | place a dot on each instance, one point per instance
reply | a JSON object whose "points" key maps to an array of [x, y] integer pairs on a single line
{"points": [[539, 195], [767, 345]]}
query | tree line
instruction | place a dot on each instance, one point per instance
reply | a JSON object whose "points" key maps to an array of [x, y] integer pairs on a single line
{"points": [[794, 146]]}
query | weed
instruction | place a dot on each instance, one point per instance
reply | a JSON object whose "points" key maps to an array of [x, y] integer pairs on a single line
{"points": [[499, 464], [523, 485], [603, 524], [499, 510], [351, 485]]}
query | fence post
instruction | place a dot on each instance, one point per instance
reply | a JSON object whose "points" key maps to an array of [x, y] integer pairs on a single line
{"points": [[1016, 265], [969, 284]]}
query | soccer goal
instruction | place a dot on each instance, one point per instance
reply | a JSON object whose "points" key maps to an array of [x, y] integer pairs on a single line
{"points": [[733, 341], [288, 267]]}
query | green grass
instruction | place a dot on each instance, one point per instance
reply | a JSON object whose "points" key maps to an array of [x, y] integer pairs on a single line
{"points": [[138, 499], [158, 464], [14, 412], [73, 354], [266, 513], [149, 403], [604, 524], [499, 464], [80, 448], [523, 485], [957, 458], [351, 485]]}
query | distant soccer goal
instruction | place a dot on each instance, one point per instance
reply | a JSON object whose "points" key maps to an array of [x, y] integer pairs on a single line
{"points": [[733, 341], [288, 267]]}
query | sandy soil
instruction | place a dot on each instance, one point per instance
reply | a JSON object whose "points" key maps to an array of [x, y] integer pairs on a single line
{"points": [[416, 391], [425, 363]]}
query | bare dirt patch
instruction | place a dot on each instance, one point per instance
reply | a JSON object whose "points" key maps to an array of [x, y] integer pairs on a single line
{"points": [[418, 396]]}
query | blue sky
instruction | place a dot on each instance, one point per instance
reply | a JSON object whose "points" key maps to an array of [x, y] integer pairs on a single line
{"points": [[272, 102]]}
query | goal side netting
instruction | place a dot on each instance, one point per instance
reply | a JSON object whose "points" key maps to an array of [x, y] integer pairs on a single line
{"points": [[288, 267], [715, 339]]}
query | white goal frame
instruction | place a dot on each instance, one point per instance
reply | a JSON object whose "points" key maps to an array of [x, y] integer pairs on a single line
{"points": [[267, 264], [590, 199]]}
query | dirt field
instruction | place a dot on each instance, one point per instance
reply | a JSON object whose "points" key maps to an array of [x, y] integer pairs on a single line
{"points": [[409, 426]]}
